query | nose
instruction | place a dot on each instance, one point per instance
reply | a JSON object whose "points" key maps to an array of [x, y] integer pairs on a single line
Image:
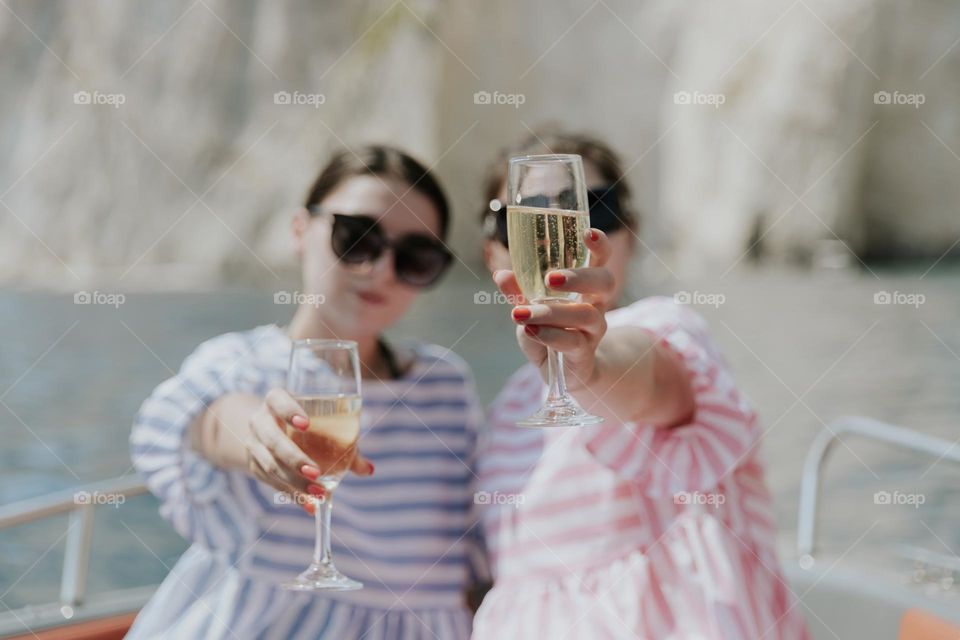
{"points": [[382, 270]]}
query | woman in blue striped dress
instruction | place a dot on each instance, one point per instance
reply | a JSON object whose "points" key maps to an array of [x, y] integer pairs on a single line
{"points": [[210, 441]]}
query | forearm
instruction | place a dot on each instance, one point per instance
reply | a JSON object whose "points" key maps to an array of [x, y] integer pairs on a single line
{"points": [[636, 380], [216, 434]]}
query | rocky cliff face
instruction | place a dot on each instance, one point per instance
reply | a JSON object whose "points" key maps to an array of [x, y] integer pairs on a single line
{"points": [[164, 145], [835, 125], [167, 145]]}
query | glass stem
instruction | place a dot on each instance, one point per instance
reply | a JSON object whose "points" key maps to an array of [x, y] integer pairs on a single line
{"points": [[321, 548], [555, 380]]}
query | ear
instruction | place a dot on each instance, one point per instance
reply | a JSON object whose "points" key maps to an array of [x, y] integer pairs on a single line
{"points": [[298, 229]]}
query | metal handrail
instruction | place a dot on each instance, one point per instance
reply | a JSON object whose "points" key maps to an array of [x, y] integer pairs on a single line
{"points": [[79, 503], [822, 444]]}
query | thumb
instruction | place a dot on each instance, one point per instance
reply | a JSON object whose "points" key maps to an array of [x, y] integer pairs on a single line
{"points": [[599, 246], [361, 466]]}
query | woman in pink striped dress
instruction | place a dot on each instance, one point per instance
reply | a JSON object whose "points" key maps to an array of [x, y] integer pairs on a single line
{"points": [[656, 524]]}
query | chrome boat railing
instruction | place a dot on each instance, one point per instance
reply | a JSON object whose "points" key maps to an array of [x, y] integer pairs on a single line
{"points": [[865, 428], [73, 602]]}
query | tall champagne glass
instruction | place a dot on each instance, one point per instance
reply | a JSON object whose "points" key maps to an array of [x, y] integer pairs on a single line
{"points": [[547, 217], [324, 377]]}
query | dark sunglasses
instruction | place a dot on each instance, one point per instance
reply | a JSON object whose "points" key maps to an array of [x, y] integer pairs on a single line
{"points": [[603, 203], [418, 260]]}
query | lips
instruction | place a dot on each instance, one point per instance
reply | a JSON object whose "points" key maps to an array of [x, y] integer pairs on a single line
{"points": [[371, 298]]}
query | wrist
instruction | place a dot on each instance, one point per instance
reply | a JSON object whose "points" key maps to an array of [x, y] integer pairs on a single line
{"points": [[218, 435], [585, 383]]}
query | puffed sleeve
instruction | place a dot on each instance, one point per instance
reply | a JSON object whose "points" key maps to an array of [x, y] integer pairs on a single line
{"points": [[691, 457], [196, 497]]}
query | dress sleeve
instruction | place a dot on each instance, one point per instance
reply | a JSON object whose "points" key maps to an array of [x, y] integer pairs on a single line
{"points": [[691, 457], [196, 497]]}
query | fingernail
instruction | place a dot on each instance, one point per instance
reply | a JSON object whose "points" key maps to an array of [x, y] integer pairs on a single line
{"points": [[369, 468], [521, 313], [556, 279], [310, 472], [300, 422], [532, 329], [594, 235], [315, 490], [494, 274], [309, 508]]}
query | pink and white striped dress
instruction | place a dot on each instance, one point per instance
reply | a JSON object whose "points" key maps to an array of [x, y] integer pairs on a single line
{"points": [[626, 531]]}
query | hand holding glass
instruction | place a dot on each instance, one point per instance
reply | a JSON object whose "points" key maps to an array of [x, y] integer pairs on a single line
{"points": [[547, 217], [324, 378]]}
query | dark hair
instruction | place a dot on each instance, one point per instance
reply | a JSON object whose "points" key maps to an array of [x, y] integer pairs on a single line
{"points": [[383, 161], [554, 140]]}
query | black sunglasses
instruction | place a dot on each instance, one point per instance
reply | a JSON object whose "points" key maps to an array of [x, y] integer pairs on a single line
{"points": [[603, 203], [418, 260]]}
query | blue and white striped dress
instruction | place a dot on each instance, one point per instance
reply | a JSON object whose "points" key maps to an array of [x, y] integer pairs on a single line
{"points": [[408, 533]]}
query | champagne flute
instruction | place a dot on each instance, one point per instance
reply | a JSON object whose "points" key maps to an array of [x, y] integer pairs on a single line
{"points": [[324, 378], [547, 216]]}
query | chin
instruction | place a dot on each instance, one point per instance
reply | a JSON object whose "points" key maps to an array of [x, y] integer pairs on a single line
{"points": [[370, 322]]}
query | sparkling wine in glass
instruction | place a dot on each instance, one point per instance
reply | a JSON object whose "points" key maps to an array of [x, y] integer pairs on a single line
{"points": [[547, 217], [324, 378]]}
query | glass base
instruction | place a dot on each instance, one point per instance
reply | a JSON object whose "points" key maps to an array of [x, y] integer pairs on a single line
{"points": [[322, 578], [561, 412]]}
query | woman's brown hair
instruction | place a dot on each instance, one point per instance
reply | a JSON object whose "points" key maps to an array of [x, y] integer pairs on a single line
{"points": [[385, 162]]}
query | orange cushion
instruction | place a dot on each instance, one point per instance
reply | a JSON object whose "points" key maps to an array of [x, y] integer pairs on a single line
{"points": [[917, 624]]}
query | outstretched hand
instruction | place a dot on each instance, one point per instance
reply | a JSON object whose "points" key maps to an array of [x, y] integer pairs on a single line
{"points": [[274, 458], [571, 328]]}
